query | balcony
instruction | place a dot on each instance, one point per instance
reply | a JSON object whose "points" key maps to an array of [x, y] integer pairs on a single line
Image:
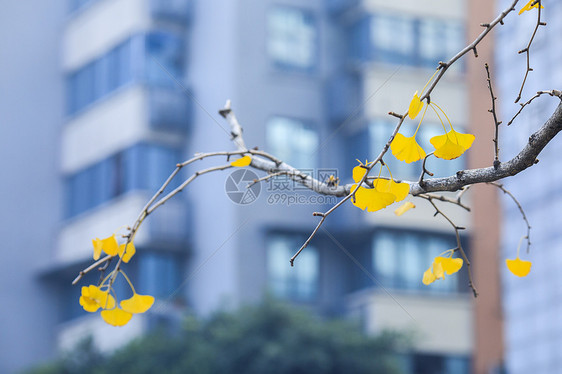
{"points": [[166, 229], [442, 323], [173, 10]]}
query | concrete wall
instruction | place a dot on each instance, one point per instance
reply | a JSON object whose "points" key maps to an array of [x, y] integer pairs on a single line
{"points": [[31, 104]]}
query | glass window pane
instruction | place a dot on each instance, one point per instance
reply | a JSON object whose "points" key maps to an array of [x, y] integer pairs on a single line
{"points": [[291, 38], [393, 38], [292, 141], [385, 259], [163, 58], [412, 262], [159, 274], [299, 282]]}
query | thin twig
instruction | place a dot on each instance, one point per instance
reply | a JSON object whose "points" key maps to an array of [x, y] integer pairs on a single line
{"points": [[494, 115], [459, 244], [527, 49], [539, 93], [443, 66], [90, 268], [351, 195], [444, 199], [507, 192], [424, 170]]}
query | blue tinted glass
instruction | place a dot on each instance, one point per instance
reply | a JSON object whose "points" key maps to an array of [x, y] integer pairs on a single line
{"points": [[160, 163], [292, 141], [83, 87], [112, 62], [163, 58], [153, 57], [401, 257], [132, 167], [292, 38], [141, 167], [159, 274], [100, 73], [393, 38], [298, 283], [71, 102], [124, 69]]}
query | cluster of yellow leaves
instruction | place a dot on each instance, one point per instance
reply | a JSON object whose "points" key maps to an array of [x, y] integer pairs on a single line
{"points": [[110, 246], [448, 146], [441, 266], [94, 297], [383, 193]]}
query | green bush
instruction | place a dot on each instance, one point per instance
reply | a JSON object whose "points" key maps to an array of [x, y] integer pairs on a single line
{"points": [[268, 338]]}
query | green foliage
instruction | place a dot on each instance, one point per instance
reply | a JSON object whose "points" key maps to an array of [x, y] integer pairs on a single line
{"points": [[269, 338]]}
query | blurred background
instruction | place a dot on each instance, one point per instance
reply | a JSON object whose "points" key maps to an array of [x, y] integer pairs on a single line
{"points": [[99, 99]]}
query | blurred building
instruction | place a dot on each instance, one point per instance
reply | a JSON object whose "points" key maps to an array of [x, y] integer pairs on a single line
{"points": [[531, 306], [130, 87]]}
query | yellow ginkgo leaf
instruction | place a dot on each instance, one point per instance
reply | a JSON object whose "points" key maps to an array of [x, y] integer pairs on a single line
{"points": [[428, 277], [406, 149], [129, 253], [103, 298], [109, 245], [450, 265], [241, 162], [452, 144], [415, 106], [404, 208], [87, 302], [528, 6], [438, 270], [116, 317], [358, 173], [519, 267], [372, 199], [137, 303], [97, 248], [400, 190]]}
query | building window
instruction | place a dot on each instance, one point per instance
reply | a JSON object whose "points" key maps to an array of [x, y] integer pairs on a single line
{"points": [[291, 38], [154, 58], [141, 167], [164, 58], [393, 38], [159, 274], [439, 40], [399, 39], [292, 141], [401, 257], [298, 283]]}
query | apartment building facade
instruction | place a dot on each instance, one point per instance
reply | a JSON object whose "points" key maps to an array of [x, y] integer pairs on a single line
{"points": [[140, 83]]}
